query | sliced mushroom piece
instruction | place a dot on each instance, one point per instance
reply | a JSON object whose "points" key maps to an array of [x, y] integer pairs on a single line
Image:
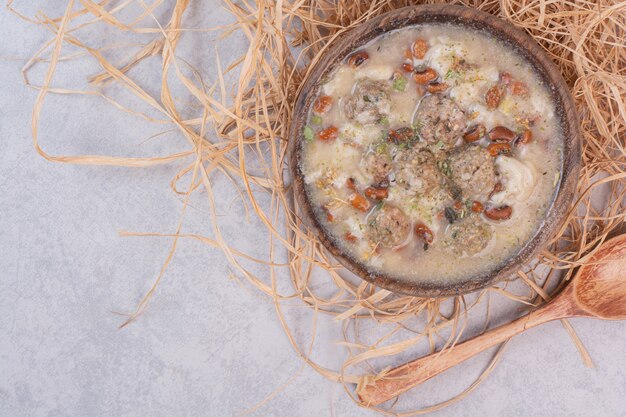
{"points": [[499, 213]]}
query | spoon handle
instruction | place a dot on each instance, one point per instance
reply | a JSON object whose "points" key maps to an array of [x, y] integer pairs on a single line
{"points": [[405, 377]]}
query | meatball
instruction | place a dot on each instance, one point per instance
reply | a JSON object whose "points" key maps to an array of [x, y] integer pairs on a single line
{"points": [[469, 235], [440, 120], [389, 226], [369, 102], [378, 165], [416, 170], [473, 171]]}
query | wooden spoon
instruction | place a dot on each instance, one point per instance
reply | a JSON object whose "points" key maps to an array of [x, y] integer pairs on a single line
{"points": [[597, 290]]}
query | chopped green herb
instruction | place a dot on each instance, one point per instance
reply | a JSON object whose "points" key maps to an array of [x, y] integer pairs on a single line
{"points": [[384, 120], [452, 74], [399, 84], [444, 168], [439, 145], [308, 133], [367, 99], [316, 120], [384, 135], [381, 148], [380, 204]]}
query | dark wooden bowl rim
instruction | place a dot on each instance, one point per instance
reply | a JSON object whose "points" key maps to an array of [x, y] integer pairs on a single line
{"points": [[529, 50]]}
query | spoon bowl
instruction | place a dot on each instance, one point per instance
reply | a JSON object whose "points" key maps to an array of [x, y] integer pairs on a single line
{"points": [[600, 285]]}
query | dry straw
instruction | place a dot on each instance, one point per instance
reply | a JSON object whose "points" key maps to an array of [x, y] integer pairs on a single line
{"points": [[233, 132]]}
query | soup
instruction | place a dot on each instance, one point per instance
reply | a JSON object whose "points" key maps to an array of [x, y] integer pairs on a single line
{"points": [[432, 153]]}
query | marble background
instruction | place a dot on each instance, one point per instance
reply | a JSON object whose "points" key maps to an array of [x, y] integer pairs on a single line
{"points": [[208, 344]]}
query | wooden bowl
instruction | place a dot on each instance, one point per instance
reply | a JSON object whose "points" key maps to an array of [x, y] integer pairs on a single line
{"points": [[472, 19]]}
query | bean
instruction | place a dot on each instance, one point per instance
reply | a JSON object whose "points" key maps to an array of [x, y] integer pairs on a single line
{"points": [[477, 207], [420, 47], [493, 97], [376, 193], [436, 87], [496, 149], [322, 104], [329, 216], [425, 76], [474, 133], [407, 67], [501, 134], [358, 58], [424, 233], [350, 237], [359, 202], [499, 213], [400, 135], [329, 134], [518, 88]]}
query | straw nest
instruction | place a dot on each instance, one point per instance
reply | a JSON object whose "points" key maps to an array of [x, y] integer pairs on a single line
{"points": [[237, 126]]}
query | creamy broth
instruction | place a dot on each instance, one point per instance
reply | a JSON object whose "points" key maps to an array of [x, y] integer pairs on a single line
{"points": [[432, 153]]}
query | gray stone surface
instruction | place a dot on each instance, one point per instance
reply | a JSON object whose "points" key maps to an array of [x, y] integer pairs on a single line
{"points": [[207, 345]]}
